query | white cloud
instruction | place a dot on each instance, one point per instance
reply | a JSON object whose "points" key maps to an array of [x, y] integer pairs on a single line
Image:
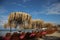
{"points": [[37, 12], [22, 5], [13, 3], [19, 4], [2, 10], [3, 20], [26, 1], [54, 9]]}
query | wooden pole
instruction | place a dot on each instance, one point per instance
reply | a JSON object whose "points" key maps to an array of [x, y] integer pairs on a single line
{"points": [[10, 29]]}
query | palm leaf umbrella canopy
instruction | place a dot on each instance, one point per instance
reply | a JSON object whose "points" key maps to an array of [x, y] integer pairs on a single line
{"points": [[18, 19], [48, 25], [37, 23], [51, 28]]}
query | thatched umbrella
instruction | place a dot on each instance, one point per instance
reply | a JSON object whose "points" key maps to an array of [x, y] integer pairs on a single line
{"points": [[48, 25], [5, 25], [50, 28], [37, 23], [19, 18]]}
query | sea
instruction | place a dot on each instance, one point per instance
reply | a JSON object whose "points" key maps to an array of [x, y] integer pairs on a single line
{"points": [[3, 31]]}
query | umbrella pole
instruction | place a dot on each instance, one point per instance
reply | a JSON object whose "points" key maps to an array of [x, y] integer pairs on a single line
{"points": [[10, 29]]}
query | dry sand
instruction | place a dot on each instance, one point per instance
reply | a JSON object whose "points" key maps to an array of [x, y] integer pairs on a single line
{"points": [[54, 34]]}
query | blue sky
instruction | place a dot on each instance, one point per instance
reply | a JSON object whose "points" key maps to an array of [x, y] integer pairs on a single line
{"points": [[47, 10]]}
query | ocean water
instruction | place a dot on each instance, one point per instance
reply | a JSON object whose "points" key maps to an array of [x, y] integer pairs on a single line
{"points": [[3, 31]]}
